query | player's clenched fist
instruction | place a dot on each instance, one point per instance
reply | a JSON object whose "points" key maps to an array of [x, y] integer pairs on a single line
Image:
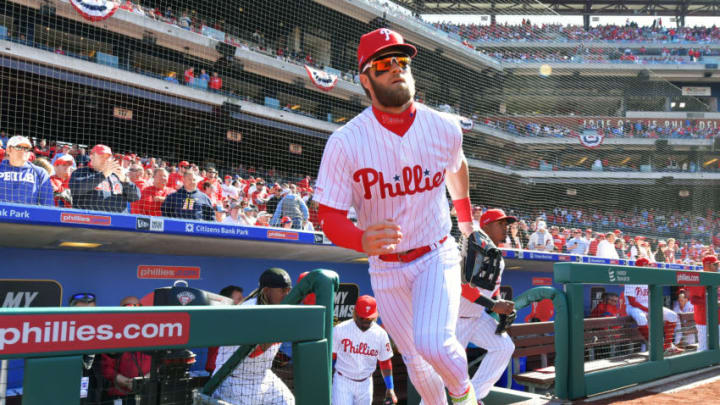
{"points": [[390, 398], [381, 238]]}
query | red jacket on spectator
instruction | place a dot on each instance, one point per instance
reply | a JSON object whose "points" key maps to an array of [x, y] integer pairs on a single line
{"points": [[592, 248], [175, 181], [189, 76], [215, 83], [604, 310], [126, 365], [147, 205], [559, 242], [59, 185]]}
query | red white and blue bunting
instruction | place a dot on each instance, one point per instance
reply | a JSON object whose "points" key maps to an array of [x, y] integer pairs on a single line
{"points": [[591, 140], [321, 79], [95, 10]]}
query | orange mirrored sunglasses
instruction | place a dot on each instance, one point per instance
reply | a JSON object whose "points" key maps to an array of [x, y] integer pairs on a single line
{"points": [[385, 64]]}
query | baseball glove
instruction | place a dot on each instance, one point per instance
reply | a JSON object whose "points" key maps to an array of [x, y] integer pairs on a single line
{"points": [[504, 321], [481, 261]]}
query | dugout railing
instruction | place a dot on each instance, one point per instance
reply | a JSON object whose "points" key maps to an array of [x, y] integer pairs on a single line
{"points": [[53, 361], [574, 277]]}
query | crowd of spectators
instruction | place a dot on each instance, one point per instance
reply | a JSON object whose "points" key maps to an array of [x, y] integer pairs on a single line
{"points": [[67, 176], [660, 236], [630, 32], [637, 130]]}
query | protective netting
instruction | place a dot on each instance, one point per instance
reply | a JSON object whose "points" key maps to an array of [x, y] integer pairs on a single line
{"points": [[597, 127], [599, 135]]}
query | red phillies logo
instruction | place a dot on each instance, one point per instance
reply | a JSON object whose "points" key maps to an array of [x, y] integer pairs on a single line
{"points": [[362, 348], [413, 180], [641, 292]]}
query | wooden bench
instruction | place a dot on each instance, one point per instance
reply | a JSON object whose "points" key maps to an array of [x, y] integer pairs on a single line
{"points": [[609, 343]]}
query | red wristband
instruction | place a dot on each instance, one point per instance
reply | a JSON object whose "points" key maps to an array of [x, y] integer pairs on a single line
{"points": [[463, 209]]}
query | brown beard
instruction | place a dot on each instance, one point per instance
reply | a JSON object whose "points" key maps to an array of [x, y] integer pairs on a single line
{"points": [[392, 98]]}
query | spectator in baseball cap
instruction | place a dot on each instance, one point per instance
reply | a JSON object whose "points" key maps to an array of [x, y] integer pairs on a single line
{"points": [[286, 222], [22, 181], [103, 185], [61, 181]]}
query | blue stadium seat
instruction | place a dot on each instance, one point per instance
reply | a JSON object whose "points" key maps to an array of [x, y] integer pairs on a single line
{"points": [[272, 102], [106, 59], [3, 32]]}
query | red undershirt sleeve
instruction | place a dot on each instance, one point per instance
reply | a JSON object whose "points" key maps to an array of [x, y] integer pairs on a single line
{"points": [[633, 302], [339, 229], [385, 365]]}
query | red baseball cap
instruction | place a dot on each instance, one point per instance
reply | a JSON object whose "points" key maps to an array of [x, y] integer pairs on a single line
{"points": [[495, 214], [101, 150], [710, 259], [128, 157], [643, 261], [227, 176], [285, 220], [379, 40], [366, 307], [64, 160], [617, 232], [184, 163]]}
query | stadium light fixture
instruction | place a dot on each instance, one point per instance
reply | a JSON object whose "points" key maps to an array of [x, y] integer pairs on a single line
{"points": [[682, 105], [672, 105], [80, 245]]}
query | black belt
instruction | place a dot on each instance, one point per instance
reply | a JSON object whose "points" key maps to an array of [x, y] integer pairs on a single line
{"points": [[352, 379]]}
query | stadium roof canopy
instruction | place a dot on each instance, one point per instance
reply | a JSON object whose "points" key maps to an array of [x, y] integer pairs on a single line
{"points": [[672, 8]]}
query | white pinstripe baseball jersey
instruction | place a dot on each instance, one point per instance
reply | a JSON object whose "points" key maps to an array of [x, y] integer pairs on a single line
{"points": [[358, 352], [386, 176], [639, 291], [255, 364]]}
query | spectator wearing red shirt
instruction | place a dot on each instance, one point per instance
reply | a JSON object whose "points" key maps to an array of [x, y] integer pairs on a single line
{"points": [[60, 181], [120, 369], [260, 196], [189, 75], [41, 149], [176, 178], [215, 82], [608, 307], [212, 178], [558, 239], [136, 174], [153, 196], [592, 249]]}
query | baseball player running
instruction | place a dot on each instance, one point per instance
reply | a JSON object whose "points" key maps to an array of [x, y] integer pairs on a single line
{"points": [[698, 297], [252, 382], [637, 301], [391, 163], [358, 344], [475, 323]]}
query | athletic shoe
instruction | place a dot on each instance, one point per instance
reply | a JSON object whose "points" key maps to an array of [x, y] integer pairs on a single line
{"points": [[673, 350], [466, 398]]}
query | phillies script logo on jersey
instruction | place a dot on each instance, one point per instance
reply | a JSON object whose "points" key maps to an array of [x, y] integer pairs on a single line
{"points": [[411, 180], [641, 291], [361, 348]]}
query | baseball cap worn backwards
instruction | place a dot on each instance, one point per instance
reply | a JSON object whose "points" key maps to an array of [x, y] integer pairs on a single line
{"points": [[380, 40], [275, 277]]}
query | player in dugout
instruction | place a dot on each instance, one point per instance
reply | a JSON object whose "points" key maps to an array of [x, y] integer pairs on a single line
{"points": [[252, 382]]}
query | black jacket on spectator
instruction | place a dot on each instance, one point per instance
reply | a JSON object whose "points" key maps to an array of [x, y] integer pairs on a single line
{"points": [[93, 191], [188, 205]]}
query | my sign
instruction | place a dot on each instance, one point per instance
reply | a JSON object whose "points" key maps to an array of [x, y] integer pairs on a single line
{"points": [[345, 300], [30, 293]]}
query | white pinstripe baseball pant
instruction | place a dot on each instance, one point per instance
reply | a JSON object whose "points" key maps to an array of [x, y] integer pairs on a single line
{"points": [[418, 303], [481, 332]]}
